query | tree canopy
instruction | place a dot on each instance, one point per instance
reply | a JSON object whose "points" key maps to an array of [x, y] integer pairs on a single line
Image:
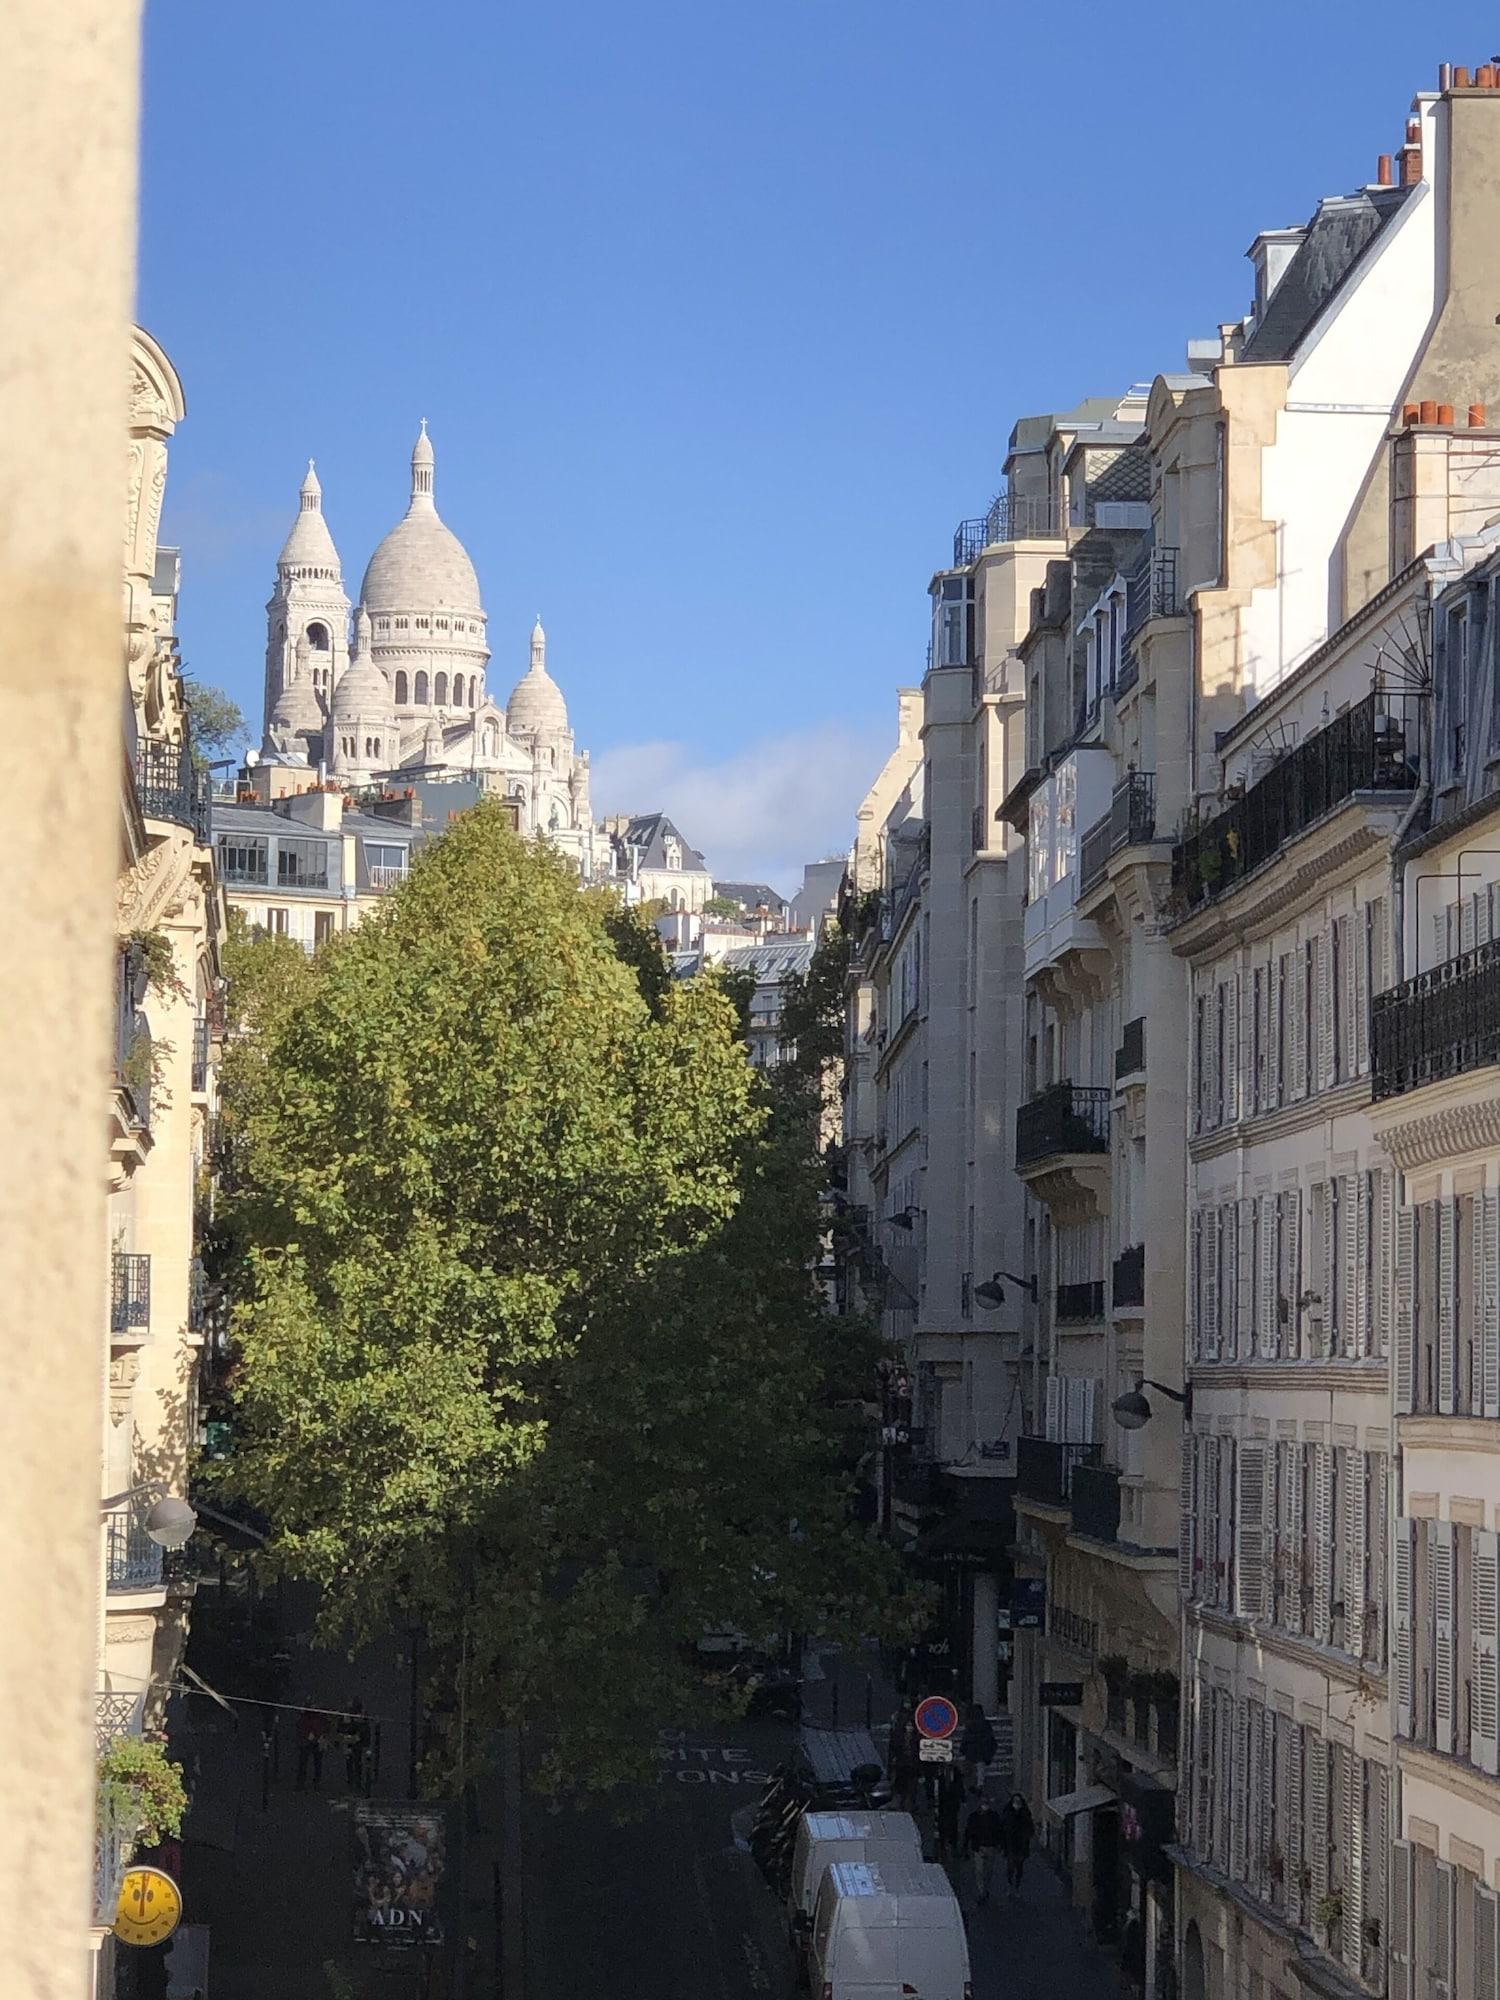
{"points": [[530, 1349], [219, 725]]}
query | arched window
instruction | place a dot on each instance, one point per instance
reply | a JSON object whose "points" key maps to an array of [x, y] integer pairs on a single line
{"points": [[458, 690], [421, 690], [490, 743], [317, 638], [473, 690], [440, 691], [377, 746], [400, 687]]}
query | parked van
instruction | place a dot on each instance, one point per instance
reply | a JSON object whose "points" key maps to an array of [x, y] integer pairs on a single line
{"points": [[883, 1929], [826, 1837]]}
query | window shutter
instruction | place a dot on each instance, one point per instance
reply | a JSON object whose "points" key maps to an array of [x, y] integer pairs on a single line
{"points": [[1486, 1925], [1356, 1500], [1088, 1405], [1223, 1776], [1291, 1263], [1075, 1411], [1054, 1409], [1250, 1530], [1297, 1024], [1195, 1288], [1366, 956], [1323, 973], [1269, 1294], [1352, 1904], [1229, 1272], [1352, 950], [1296, 1574], [1403, 1677], [1294, 1759], [1275, 977], [1203, 1769], [1466, 924], [1403, 1883], [1351, 1213], [1377, 1858], [1207, 1539], [1213, 1083], [1485, 1725], [1487, 1296], [1322, 1542], [1444, 1909], [1444, 1610], [1246, 1309], [1447, 1329], [1211, 1288], [1327, 1270], [1187, 1525], [1240, 1804], [1404, 1355], [1379, 1543], [1385, 1257], [1317, 1817], [1232, 1067]]}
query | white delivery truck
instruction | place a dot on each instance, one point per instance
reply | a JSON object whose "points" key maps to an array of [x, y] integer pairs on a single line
{"points": [[888, 1930], [826, 1837]]}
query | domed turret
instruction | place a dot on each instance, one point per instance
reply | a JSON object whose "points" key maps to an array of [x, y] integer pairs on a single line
{"points": [[295, 724], [362, 724], [308, 549], [421, 566], [536, 706]]}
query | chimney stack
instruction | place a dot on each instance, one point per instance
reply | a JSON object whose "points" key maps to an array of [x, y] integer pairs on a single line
{"points": [[1460, 80], [1427, 413], [1384, 172], [1476, 416], [1484, 76], [1445, 415], [1446, 76]]}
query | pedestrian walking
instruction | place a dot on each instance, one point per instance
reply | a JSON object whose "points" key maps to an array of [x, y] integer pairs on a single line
{"points": [[906, 1767], [312, 1735], [354, 1735], [982, 1837], [977, 1747], [1017, 1830], [950, 1798]]}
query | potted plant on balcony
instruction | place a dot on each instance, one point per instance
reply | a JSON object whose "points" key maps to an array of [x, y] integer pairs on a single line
{"points": [[140, 1790], [1329, 1914]]}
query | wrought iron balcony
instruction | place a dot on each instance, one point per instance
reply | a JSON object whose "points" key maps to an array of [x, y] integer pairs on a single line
{"points": [[200, 1055], [1046, 1468], [1128, 1283], [1017, 518], [197, 1296], [1362, 750], [129, 1293], [1130, 1056], [1080, 1302], [1165, 602], [1066, 1118], [132, 1560], [170, 786], [1131, 819], [1096, 1502], [1443, 1022], [117, 1715]]}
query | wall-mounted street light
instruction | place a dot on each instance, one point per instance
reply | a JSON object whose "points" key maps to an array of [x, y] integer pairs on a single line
{"points": [[169, 1521], [991, 1294], [1133, 1409], [907, 1219]]}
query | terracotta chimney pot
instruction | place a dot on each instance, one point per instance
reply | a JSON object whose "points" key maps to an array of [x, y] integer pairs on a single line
{"points": [[1445, 414], [1460, 79], [1409, 413], [1384, 171], [1484, 76], [1476, 416], [1427, 413]]}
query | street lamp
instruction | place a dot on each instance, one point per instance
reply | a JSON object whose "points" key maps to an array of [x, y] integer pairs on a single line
{"points": [[907, 1219], [1133, 1409], [169, 1521], [991, 1294]]}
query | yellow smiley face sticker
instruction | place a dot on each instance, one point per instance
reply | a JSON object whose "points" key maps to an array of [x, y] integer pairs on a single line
{"points": [[150, 1907]]}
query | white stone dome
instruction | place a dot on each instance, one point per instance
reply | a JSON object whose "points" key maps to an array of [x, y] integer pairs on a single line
{"points": [[421, 565], [309, 547], [536, 706], [362, 690]]}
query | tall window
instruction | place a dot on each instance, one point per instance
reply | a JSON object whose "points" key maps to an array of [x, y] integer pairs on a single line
{"points": [[401, 697], [421, 690], [458, 690], [440, 691]]}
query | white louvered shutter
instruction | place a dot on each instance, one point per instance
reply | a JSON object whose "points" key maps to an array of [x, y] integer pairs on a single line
{"points": [[1294, 1757], [1187, 1526], [1356, 1500], [1299, 1582], [1351, 1208], [1401, 1985], [1297, 1024], [1266, 1205], [1487, 1297], [1352, 1908], [1291, 1266], [1327, 1265], [1054, 1408], [1247, 1309], [1250, 1531], [1444, 1910], [1195, 1288], [1485, 1620], [1385, 1259], [1466, 924], [1367, 950], [1376, 1644], [1403, 1677], [1404, 1345], [1447, 1317], [1367, 1195], [1224, 1731], [1351, 965], [1208, 1516], [1317, 1816], [1323, 974], [1202, 1769], [1445, 1621], [1240, 1797], [1275, 1003], [1211, 1286], [1229, 1271], [1377, 1864], [1486, 1928], [1322, 1469], [1232, 1071]]}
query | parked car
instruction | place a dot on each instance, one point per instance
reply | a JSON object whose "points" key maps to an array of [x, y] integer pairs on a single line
{"points": [[825, 1837], [882, 1928]]}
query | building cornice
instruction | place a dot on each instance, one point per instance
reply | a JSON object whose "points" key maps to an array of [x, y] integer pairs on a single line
{"points": [[1318, 1377], [1438, 1433], [1325, 1660], [1441, 1121], [1257, 1127], [1450, 1774]]}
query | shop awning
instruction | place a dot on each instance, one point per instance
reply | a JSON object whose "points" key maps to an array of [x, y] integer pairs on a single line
{"points": [[1068, 1803]]}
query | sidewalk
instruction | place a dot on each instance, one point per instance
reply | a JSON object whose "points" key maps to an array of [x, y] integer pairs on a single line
{"points": [[1032, 1946]]}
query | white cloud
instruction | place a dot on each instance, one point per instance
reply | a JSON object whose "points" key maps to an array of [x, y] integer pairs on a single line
{"points": [[759, 813]]}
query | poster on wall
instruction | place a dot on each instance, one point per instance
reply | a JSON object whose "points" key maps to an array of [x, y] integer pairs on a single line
{"points": [[399, 1856]]}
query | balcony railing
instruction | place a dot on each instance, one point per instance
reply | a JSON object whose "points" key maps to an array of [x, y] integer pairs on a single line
{"points": [[1444, 1022], [1128, 1280], [132, 1560], [1130, 1056], [129, 1293], [1165, 602], [1096, 1502], [170, 786], [200, 1055], [1017, 518], [117, 1715], [1362, 750], [1131, 819], [387, 875], [1046, 1469], [1079, 1302], [1066, 1118], [197, 1296]]}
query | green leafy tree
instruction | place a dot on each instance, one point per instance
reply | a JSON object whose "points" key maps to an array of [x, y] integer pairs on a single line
{"points": [[723, 906], [529, 1348], [219, 726]]}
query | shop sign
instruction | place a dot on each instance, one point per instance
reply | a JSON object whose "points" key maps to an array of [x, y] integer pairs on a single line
{"points": [[1060, 1694], [1028, 1603]]}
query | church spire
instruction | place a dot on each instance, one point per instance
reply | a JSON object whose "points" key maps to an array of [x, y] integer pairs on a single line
{"points": [[538, 648], [421, 469], [310, 491]]}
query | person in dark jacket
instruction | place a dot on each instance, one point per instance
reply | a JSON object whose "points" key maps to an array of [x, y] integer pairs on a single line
{"points": [[977, 1747], [982, 1837], [1017, 1830], [950, 1798]]}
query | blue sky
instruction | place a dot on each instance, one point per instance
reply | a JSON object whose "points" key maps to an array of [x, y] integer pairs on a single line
{"points": [[719, 316]]}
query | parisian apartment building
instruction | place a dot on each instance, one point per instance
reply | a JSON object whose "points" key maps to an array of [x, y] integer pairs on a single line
{"points": [[1170, 1161]]}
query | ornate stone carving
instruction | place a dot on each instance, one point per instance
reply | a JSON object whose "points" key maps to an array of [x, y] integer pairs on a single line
{"points": [[1449, 1132]]}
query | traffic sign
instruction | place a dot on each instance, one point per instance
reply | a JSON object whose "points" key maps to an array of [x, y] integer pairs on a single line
{"points": [[935, 1750], [936, 1717]]}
